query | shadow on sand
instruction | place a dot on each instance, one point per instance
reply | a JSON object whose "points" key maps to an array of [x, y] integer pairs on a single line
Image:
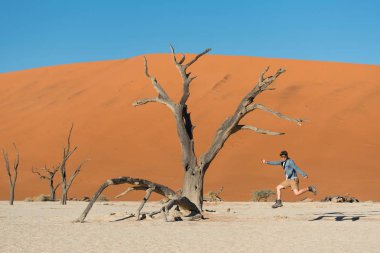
{"points": [[344, 216]]}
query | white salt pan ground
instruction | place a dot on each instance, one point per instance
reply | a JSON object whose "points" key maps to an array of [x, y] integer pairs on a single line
{"points": [[247, 227]]}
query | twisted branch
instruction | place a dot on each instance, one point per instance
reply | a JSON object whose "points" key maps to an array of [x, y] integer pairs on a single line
{"points": [[76, 172], [162, 96], [197, 57], [182, 68], [50, 173], [133, 188], [231, 124], [144, 101], [161, 92], [145, 199], [35, 171], [141, 184], [280, 115], [255, 129]]}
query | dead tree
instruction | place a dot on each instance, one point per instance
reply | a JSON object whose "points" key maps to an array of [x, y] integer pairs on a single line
{"points": [[48, 174], [195, 167], [67, 152], [12, 181]]}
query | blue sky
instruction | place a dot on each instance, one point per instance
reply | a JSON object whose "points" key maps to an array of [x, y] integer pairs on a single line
{"points": [[36, 33]]}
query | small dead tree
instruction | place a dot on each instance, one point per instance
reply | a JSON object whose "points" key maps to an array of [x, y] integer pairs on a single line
{"points": [[48, 174], [213, 196], [262, 195], [195, 167], [67, 152], [12, 181]]}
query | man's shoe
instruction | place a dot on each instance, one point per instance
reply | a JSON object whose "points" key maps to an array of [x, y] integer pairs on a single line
{"points": [[312, 189], [277, 204]]}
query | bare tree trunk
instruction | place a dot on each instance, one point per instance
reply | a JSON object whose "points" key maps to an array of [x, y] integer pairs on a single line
{"points": [[12, 182], [67, 152], [53, 197], [193, 186], [64, 189], [12, 194], [52, 190]]}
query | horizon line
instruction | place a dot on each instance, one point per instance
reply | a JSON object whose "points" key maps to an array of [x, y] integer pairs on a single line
{"points": [[226, 55]]}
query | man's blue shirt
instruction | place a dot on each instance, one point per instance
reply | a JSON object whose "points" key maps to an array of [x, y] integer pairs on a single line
{"points": [[290, 168]]}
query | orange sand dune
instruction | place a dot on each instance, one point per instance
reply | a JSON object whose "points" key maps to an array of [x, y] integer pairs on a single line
{"points": [[337, 147]]}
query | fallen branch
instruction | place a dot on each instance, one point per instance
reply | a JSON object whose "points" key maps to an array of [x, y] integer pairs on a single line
{"points": [[149, 187]]}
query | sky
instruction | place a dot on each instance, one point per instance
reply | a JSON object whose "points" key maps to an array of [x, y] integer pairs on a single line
{"points": [[37, 33]]}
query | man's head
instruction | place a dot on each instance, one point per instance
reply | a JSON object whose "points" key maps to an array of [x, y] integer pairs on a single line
{"points": [[284, 155]]}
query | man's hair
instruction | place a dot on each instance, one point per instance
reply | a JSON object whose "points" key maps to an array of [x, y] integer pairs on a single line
{"points": [[284, 153]]}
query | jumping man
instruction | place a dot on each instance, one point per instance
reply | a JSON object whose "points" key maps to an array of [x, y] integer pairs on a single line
{"points": [[291, 179]]}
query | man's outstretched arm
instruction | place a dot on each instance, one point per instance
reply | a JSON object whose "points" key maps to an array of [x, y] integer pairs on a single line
{"points": [[271, 163]]}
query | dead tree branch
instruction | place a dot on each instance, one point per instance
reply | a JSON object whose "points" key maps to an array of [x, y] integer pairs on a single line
{"points": [[76, 172], [182, 68], [133, 188], [282, 116], [231, 124], [12, 180], [255, 129], [48, 174], [145, 199], [162, 97]]}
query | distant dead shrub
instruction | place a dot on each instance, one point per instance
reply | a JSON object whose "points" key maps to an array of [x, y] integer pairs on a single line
{"points": [[85, 198], [262, 195], [41, 197], [28, 199], [102, 198], [340, 199], [213, 196]]}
